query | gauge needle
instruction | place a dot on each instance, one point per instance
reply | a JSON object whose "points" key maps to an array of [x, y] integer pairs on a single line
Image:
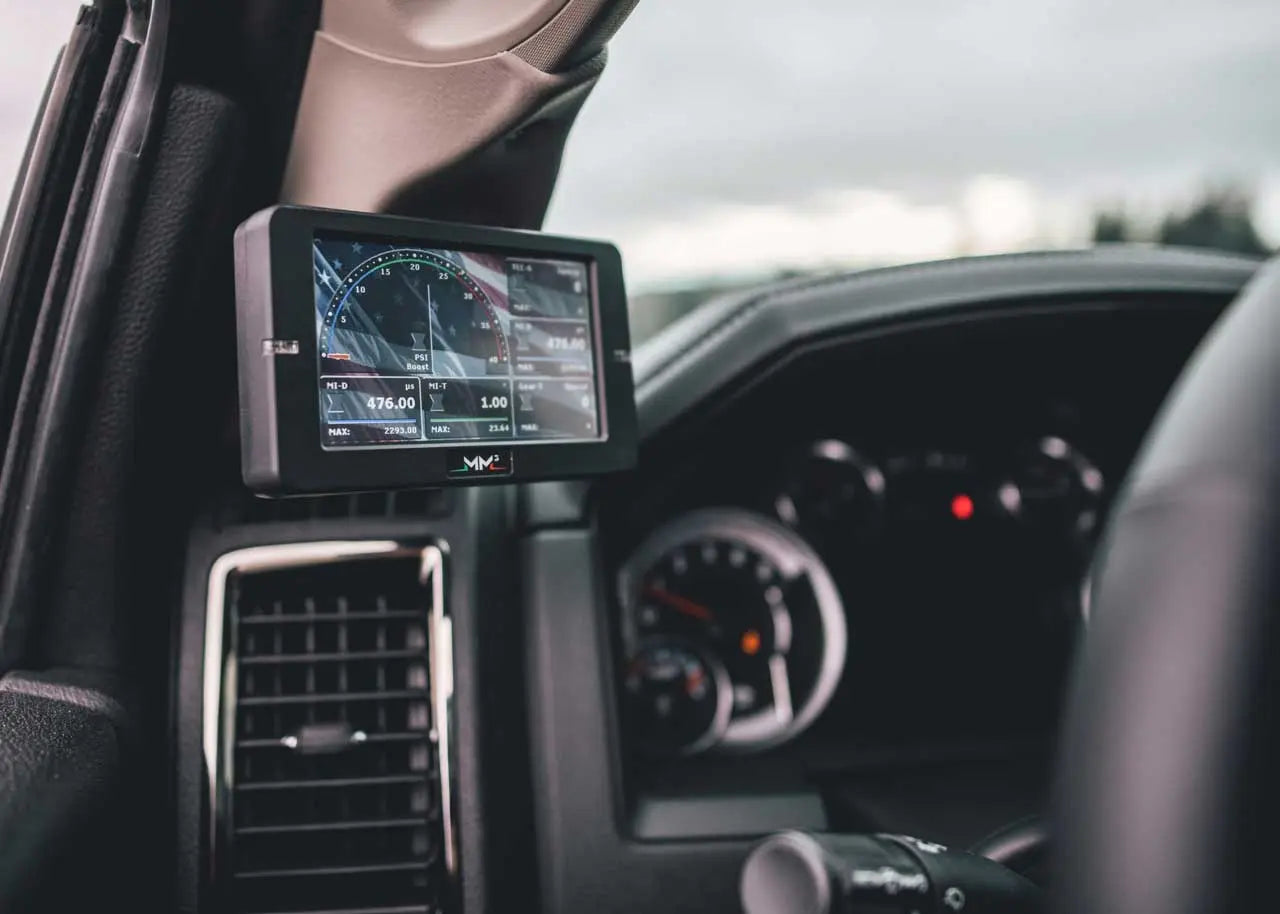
{"points": [[679, 604], [781, 689]]}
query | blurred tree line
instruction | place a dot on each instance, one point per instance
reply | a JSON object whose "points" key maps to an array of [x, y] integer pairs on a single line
{"points": [[1221, 219]]}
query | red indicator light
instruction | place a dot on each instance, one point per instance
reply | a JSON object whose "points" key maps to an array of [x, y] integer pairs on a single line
{"points": [[751, 642], [962, 507]]}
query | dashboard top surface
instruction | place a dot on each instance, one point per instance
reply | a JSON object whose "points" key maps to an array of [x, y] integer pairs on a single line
{"points": [[705, 350]]}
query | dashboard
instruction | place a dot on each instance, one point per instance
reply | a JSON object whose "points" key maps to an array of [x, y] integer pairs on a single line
{"points": [[840, 591], [866, 564]]}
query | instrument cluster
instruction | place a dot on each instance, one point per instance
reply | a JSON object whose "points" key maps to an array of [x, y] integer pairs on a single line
{"points": [[913, 574]]}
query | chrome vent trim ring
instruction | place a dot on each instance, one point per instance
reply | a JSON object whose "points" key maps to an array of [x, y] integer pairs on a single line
{"points": [[219, 699]]}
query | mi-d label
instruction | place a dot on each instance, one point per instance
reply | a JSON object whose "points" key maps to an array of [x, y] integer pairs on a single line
{"points": [[481, 464]]}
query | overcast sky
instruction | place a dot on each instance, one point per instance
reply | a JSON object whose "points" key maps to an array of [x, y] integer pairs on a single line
{"points": [[31, 31], [732, 137], [729, 137]]}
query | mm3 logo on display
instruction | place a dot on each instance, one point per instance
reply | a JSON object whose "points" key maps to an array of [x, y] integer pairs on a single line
{"points": [[485, 463]]}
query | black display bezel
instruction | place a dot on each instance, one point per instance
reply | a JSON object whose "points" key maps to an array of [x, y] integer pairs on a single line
{"points": [[283, 457]]}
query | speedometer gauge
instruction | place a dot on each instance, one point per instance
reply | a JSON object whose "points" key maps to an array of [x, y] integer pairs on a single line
{"points": [[753, 595]]}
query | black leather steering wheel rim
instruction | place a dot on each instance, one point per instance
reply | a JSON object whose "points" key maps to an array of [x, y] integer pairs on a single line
{"points": [[1165, 769]]}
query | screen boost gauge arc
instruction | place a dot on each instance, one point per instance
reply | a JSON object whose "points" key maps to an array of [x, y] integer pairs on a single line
{"points": [[420, 347], [404, 292]]}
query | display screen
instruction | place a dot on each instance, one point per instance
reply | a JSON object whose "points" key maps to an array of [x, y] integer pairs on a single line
{"points": [[420, 346]]}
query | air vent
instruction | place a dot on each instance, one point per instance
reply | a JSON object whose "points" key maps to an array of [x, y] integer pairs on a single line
{"points": [[333, 800]]}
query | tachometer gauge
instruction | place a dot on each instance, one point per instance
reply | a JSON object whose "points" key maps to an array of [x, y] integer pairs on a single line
{"points": [[678, 698], [831, 493], [753, 594]]}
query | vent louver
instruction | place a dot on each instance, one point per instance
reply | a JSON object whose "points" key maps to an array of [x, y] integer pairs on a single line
{"points": [[333, 801]]}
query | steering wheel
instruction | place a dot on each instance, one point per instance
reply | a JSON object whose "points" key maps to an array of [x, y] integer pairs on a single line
{"points": [[1167, 776]]}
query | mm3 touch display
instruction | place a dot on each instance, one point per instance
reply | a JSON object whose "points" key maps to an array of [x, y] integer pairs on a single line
{"points": [[384, 352]]}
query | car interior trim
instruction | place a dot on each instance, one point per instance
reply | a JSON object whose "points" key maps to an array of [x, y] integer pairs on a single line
{"points": [[82, 697]]}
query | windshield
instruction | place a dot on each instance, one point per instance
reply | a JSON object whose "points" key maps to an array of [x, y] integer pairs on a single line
{"points": [[30, 36], [733, 143], [729, 143]]}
